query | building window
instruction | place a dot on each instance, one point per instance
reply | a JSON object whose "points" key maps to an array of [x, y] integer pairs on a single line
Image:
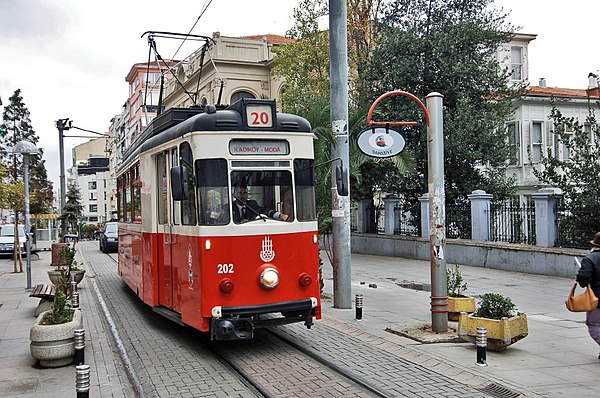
{"points": [[513, 143], [536, 142], [92, 185], [93, 208], [516, 63], [93, 196], [561, 145], [241, 94]]}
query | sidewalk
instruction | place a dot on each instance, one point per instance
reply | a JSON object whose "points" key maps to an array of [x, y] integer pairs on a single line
{"points": [[558, 358], [19, 376]]}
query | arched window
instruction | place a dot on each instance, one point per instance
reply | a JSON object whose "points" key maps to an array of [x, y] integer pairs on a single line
{"points": [[241, 94]]}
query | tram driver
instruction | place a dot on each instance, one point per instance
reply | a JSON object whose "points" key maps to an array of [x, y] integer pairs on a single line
{"points": [[245, 209]]}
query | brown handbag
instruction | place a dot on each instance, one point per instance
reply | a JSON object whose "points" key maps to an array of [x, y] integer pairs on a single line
{"points": [[584, 302]]}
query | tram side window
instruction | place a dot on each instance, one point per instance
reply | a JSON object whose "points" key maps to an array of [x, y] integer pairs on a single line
{"points": [[128, 207], [305, 189], [137, 194], [188, 205], [176, 203], [213, 193], [162, 188], [121, 218]]}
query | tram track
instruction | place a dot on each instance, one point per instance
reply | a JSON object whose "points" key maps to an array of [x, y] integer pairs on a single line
{"points": [[273, 365], [279, 367]]}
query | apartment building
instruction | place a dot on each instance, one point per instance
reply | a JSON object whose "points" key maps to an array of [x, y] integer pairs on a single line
{"points": [[531, 132]]}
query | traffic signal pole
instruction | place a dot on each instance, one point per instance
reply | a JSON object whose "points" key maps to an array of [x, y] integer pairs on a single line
{"points": [[340, 212]]}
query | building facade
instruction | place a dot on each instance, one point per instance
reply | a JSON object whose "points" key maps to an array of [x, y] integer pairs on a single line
{"points": [[225, 70], [530, 130]]}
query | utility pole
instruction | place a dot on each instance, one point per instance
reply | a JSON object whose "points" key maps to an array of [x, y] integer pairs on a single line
{"points": [[437, 214], [340, 212], [62, 125]]}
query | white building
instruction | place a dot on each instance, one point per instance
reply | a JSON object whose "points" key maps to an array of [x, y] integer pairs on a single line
{"points": [[531, 132]]}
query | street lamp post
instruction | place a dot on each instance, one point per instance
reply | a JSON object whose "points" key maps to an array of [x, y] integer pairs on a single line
{"points": [[62, 125], [27, 149]]}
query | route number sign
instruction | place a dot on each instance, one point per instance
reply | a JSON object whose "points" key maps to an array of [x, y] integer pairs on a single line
{"points": [[259, 115]]}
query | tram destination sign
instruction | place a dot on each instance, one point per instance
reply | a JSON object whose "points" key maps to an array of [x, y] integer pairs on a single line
{"points": [[381, 142], [259, 147]]}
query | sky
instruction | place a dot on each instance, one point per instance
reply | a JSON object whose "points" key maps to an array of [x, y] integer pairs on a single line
{"points": [[70, 57]]}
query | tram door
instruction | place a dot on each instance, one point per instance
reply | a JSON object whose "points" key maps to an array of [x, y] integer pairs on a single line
{"points": [[164, 230]]}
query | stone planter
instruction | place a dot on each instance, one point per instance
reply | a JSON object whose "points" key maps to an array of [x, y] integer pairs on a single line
{"points": [[456, 305], [53, 345], [54, 276], [500, 332], [77, 276]]}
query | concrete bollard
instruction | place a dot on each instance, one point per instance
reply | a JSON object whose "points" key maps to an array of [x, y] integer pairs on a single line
{"points": [[79, 344], [358, 304], [82, 381], [481, 341]]}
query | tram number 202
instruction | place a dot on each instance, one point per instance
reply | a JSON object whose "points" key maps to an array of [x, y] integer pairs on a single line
{"points": [[225, 268]]}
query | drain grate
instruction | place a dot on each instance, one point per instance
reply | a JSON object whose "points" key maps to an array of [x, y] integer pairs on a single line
{"points": [[496, 390]]}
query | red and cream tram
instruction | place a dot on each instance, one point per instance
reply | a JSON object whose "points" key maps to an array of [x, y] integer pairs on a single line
{"points": [[217, 218]]}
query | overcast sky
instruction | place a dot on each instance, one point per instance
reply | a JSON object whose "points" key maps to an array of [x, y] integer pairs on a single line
{"points": [[70, 57]]}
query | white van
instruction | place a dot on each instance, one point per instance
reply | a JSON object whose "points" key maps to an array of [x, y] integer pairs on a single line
{"points": [[7, 237]]}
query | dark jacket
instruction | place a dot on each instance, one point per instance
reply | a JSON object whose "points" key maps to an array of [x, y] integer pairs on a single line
{"points": [[589, 273]]}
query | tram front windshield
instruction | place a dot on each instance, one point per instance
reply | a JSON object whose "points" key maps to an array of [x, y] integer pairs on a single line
{"points": [[242, 196]]}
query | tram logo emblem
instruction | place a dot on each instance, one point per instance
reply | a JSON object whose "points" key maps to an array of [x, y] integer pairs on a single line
{"points": [[190, 271], [267, 254]]}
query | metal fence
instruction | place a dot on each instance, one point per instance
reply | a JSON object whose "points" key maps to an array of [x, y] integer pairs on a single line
{"points": [[458, 221], [405, 222], [576, 225], [513, 222]]}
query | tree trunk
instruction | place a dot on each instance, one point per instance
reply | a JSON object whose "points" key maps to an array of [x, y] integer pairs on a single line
{"points": [[17, 255]]}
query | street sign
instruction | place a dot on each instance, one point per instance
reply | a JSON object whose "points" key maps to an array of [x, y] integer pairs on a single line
{"points": [[381, 142]]}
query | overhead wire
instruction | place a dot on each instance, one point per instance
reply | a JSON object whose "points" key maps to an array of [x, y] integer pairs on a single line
{"points": [[152, 44]]}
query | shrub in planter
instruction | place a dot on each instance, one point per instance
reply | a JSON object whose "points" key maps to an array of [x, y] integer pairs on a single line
{"points": [[457, 301], [52, 335], [498, 314]]}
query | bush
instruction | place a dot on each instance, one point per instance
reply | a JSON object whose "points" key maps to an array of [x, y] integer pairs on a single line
{"points": [[60, 313], [455, 282], [495, 306]]}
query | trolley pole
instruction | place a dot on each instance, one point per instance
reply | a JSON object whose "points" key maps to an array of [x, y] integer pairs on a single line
{"points": [[437, 216], [61, 125], [340, 211]]}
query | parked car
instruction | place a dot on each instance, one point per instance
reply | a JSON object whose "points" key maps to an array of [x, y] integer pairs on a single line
{"points": [[7, 238], [109, 239]]}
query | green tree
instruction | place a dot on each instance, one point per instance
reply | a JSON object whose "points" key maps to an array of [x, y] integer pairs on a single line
{"points": [[574, 173], [73, 208], [17, 126], [447, 46]]}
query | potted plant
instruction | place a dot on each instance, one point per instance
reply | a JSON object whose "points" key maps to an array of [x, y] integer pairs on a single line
{"points": [[498, 314], [52, 335], [68, 265], [457, 301]]}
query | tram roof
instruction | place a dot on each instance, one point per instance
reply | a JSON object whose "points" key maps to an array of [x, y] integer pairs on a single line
{"points": [[176, 122]]}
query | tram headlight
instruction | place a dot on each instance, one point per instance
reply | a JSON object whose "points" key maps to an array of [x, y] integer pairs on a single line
{"points": [[269, 278], [304, 279], [226, 286]]}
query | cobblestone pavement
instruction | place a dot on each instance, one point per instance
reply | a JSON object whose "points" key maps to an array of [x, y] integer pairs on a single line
{"points": [[169, 362]]}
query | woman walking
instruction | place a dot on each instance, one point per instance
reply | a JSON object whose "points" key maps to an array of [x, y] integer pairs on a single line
{"points": [[589, 273]]}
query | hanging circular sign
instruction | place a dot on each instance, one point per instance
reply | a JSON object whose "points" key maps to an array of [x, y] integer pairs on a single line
{"points": [[381, 142]]}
